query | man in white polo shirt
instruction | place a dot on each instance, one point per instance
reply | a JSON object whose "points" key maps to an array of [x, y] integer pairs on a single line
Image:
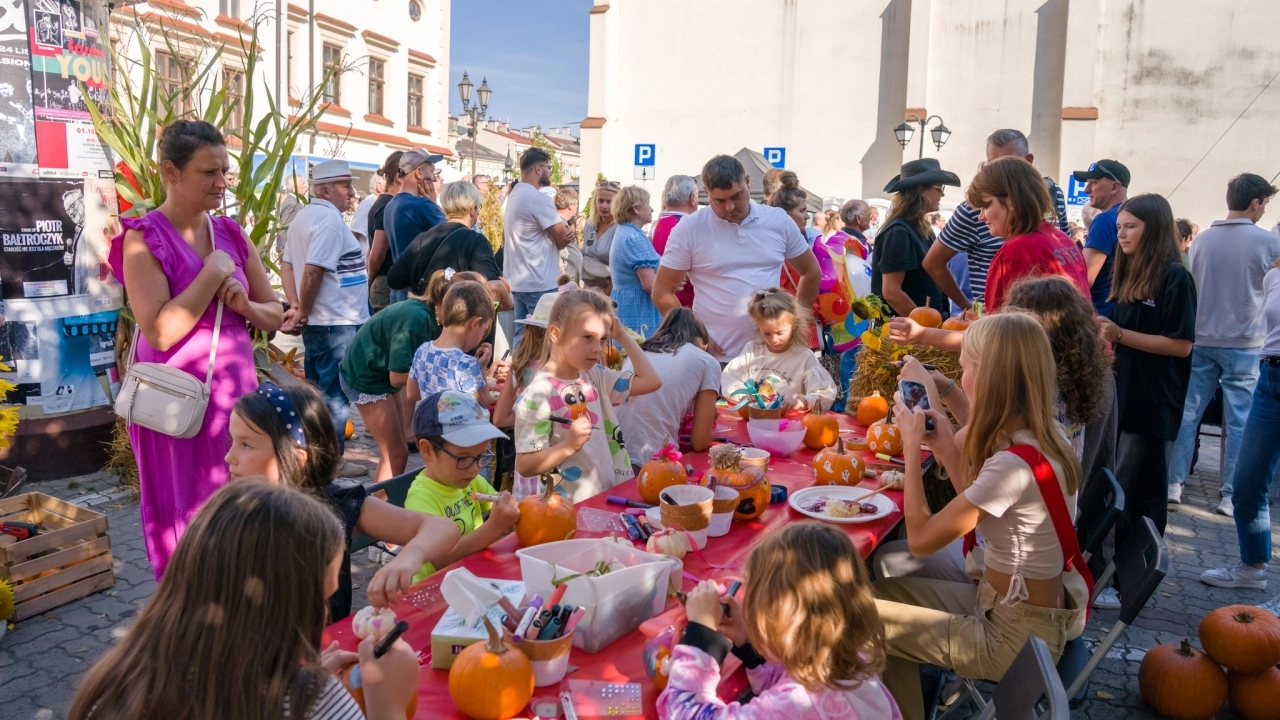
{"points": [[533, 234], [324, 278], [729, 250]]}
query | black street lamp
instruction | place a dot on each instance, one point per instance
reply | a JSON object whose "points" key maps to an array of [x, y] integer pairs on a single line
{"points": [[905, 131], [476, 112]]}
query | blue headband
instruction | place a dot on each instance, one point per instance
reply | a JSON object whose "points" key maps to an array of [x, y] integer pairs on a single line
{"points": [[288, 414]]}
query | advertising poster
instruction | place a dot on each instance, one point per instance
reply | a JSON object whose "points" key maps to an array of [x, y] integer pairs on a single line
{"points": [[41, 223], [68, 63], [61, 361], [17, 121]]}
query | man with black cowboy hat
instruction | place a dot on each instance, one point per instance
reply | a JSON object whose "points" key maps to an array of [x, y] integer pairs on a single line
{"points": [[1107, 182], [897, 265]]}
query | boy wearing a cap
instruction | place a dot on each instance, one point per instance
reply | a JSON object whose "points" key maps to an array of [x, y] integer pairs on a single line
{"points": [[454, 433]]}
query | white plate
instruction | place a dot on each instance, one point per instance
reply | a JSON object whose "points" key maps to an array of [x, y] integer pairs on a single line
{"points": [[884, 505]]}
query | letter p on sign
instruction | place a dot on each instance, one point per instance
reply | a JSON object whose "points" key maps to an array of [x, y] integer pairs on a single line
{"points": [[644, 155], [776, 157]]}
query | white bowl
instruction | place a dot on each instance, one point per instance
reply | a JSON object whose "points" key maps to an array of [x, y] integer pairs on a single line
{"points": [[766, 435]]}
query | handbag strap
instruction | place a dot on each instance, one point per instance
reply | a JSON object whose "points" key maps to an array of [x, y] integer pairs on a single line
{"points": [[1047, 482]]}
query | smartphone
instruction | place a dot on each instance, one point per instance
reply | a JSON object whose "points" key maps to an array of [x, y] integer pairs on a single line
{"points": [[915, 395]]}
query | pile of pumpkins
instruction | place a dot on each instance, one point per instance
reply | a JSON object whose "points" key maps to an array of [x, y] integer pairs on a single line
{"points": [[1184, 683]]}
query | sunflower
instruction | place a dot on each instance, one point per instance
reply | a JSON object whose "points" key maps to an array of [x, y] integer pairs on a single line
{"points": [[8, 424], [4, 366], [6, 601]]}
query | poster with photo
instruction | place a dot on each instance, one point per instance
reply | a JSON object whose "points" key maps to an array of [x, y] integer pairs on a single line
{"points": [[41, 228], [67, 356], [17, 119], [69, 66]]}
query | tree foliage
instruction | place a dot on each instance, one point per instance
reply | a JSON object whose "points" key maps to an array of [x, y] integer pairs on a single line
{"points": [[557, 167], [490, 221]]}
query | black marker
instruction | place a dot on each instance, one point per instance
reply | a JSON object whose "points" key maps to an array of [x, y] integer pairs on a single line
{"points": [[381, 648]]}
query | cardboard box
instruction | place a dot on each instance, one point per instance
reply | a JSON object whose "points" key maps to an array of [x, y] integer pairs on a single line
{"points": [[451, 635]]}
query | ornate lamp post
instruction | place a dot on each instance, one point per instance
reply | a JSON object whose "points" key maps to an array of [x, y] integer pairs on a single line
{"points": [[508, 167], [905, 131], [475, 112]]}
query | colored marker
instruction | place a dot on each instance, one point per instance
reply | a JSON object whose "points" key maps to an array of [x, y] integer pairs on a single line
{"points": [[890, 459], [733, 589], [619, 500], [645, 526], [633, 527], [484, 497], [553, 624], [526, 623], [381, 648], [509, 623], [509, 609], [573, 620], [544, 617], [559, 593]]}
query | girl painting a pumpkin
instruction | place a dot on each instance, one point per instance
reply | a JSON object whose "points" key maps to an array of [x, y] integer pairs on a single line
{"points": [[303, 454], [1010, 465], [807, 632], [524, 364], [234, 630], [678, 352], [781, 351], [565, 417]]}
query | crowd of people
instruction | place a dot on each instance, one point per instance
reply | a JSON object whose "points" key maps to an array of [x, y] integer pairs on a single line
{"points": [[1082, 354]]}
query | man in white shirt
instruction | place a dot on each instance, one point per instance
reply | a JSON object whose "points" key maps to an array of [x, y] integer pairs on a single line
{"points": [[729, 250], [533, 234], [324, 278]]}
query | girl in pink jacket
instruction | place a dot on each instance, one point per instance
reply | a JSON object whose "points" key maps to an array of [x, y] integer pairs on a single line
{"points": [[808, 633]]}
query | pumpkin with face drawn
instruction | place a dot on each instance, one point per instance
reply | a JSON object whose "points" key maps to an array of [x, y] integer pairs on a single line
{"points": [[752, 484]]}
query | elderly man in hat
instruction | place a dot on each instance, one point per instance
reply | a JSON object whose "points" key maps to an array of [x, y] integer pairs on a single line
{"points": [[898, 275], [324, 278], [413, 210]]}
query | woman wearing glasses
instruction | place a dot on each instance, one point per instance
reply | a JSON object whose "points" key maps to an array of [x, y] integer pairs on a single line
{"points": [[897, 265], [597, 237]]}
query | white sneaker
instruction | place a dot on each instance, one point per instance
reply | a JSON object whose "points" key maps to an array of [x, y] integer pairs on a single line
{"points": [[1273, 606], [375, 553], [1236, 576], [1108, 599], [1175, 493], [1226, 507], [389, 553]]}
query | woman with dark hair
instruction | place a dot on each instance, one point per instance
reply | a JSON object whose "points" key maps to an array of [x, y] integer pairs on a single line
{"points": [[1153, 328], [181, 266], [897, 265], [690, 388]]}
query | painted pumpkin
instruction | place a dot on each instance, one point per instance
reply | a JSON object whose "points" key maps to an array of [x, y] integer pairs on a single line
{"points": [[820, 429], [1242, 638], [883, 437], [371, 621], [1182, 682], [1255, 696], [667, 541], [927, 316], [872, 408], [660, 473], [545, 518], [351, 680], [488, 681], [752, 485], [657, 655], [834, 466]]}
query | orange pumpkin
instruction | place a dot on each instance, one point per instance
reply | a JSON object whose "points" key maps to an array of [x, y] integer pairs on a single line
{"points": [[490, 682], [752, 484], [872, 408], [955, 323], [1242, 638], [927, 316], [351, 429], [612, 355], [884, 437], [660, 473], [833, 466], [1182, 682], [821, 430], [1255, 696], [357, 693], [546, 518], [858, 444]]}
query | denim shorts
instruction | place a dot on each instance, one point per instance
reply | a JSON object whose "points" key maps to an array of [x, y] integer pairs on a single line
{"points": [[355, 397]]}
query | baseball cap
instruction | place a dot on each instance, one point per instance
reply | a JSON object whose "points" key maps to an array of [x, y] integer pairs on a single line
{"points": [[1108, 169], [416, 157], [541, 314], [456, 417]]}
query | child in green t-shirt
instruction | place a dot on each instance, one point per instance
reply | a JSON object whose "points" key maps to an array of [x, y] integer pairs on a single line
{"points": [[453, 433]]}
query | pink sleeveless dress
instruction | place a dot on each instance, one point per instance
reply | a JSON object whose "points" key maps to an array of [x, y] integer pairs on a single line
{"points": [[177, 475]]}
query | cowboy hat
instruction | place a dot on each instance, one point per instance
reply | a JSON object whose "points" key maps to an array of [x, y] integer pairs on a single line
{"points": [[925, 171]]}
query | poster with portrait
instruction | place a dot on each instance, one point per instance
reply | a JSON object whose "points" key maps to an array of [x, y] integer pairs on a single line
{"points": [[69, 66], [17, 120], [41, 226], [63, 361]]}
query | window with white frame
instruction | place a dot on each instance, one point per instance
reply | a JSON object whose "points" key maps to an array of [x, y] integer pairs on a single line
{"points": [[377, 69], [233, 82], [332, 92], [415, 100]]}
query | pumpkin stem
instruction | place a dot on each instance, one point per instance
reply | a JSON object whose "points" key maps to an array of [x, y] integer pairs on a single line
{"points": [[1185, 650], [839, 446], [1244, 616], [817, 407], [550, 488], [495, 646]]}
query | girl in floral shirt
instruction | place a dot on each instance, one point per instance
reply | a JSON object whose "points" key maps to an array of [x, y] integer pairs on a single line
{"points": [[808, 634]]}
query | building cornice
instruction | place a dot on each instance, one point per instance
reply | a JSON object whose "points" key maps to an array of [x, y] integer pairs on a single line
{"points": [[380, 42]]}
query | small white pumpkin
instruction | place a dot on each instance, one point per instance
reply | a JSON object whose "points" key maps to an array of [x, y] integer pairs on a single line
{"points": [[669, 542], [892, 479], [371, 621]]}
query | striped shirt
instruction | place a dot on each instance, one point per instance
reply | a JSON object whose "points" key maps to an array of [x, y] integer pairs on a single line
{"points": [[334, 703], [965, 233]]}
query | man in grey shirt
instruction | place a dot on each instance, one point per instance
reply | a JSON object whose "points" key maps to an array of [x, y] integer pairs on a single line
{"points": [[1228, 261]]}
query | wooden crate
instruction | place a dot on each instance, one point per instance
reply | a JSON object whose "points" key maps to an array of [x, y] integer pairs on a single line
{"points": [[69, 559]]}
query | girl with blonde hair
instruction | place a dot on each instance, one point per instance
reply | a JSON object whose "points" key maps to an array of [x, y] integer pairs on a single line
{"points": [[781, 354]]}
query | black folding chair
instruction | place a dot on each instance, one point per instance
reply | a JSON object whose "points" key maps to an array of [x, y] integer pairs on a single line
{"points": [[1099, 506], [397, 489], [1032, 683]]}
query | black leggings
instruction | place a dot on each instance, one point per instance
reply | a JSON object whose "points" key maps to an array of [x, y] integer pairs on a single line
{"points": [[1142, 468]]}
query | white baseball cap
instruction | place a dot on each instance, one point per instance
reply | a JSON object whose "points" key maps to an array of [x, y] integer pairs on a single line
{"points": [[330, 171], [456, 417]]}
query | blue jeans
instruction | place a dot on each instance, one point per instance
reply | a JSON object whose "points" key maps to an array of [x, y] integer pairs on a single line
{"points": [[399, 296], [325, 345], [1237, 369], [848, 365], [525, 302], [1259, 457]]}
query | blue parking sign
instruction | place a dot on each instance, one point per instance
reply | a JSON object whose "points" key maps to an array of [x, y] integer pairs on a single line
{"points": [[776, 157], [644, 155], [1075, 192]]}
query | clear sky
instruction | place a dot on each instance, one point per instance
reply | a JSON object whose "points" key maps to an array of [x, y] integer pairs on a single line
{"points": [[533, 52]]}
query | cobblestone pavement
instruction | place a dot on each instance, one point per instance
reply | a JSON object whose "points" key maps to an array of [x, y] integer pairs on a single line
{"points": [[43, 658]]}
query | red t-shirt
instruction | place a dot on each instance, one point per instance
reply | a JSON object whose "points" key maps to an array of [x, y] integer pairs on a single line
{"points": [[662, 231], [1047, 251]]}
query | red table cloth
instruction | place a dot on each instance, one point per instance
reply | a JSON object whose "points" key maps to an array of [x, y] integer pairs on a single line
{"points": [[622, 662]]}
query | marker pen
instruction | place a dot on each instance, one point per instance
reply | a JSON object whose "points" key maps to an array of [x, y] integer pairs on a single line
{"points": [[559, 593], [526, 623], [573, 620]]}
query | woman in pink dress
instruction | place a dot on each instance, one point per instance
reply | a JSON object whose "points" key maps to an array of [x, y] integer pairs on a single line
{"points": [[176, 262]]}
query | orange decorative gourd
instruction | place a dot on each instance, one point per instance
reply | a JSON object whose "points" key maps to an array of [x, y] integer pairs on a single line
{"points": [[884, 437], [955, 323], [820, 429], [488, 681], [1255, 696], [660, 473], [1182, 682], [872, 408], [834, 466], [927, 316], [350, 430], [752, 484], [545, 518], [1242, 638]]}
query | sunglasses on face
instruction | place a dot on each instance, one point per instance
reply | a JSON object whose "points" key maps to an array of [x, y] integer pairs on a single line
{"points": [[1104, 171], [465, 462]]}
